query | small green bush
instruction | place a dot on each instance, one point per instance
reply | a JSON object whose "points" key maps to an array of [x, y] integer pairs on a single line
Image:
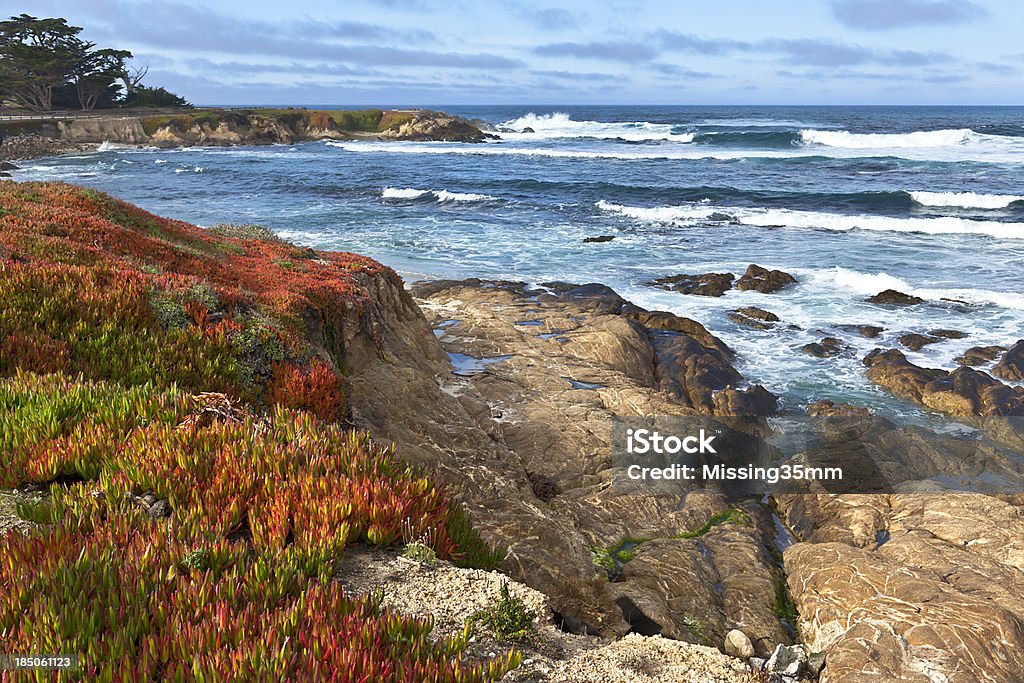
{"points": [[197, 560], [420, 552], [509, 619]]}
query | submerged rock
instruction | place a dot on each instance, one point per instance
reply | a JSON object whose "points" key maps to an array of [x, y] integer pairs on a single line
{"points": [[894, 298], [948, 334], [752, 316], [705, 284], [916, 342], [763, 280], [868, 331], [599, 238], [825, 408], [979, 355], [828, 347]]}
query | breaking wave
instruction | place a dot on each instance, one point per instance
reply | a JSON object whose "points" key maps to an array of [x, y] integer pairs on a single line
{"points": [[687, 214], [559, 125], [442, 196], [965, 200]]}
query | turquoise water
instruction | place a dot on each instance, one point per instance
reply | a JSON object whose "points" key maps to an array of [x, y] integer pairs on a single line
{"points": [[851, 200]]}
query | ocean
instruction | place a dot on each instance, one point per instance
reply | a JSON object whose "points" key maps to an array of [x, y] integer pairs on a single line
{"points": [[850, 200]]}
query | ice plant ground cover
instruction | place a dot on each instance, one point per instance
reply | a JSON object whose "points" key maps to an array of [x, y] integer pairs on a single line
{"points": [[113, 322]]}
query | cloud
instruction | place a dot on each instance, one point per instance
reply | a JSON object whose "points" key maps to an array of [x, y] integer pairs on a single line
{"points": [[576, 75], [550, 18], [627, 52], [946, 78], [235, 68], [997, 68], [183, 27], [679, 71], [685, 42], [881, 15]]}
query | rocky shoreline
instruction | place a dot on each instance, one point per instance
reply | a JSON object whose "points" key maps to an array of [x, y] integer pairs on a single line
{"points": [[20, 140], [508, 397]]}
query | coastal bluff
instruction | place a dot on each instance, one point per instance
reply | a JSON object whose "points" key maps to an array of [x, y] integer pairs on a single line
{"points": [[224, 127]]}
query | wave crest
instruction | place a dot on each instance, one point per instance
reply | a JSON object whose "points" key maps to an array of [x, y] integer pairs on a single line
{"points": [[965, 200], [442, 196], [788, 218], [560, 125]]}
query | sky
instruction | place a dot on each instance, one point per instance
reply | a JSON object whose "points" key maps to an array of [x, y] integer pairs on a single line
{"points": [[423, 52]]}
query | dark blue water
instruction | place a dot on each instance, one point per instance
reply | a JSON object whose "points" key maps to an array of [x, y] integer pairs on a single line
{"points": [[851, 200]]}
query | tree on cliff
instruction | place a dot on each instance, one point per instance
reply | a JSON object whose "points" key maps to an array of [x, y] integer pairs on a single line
{"points": [[36, 56], [96, 75], [44, 63], [154, 97]]}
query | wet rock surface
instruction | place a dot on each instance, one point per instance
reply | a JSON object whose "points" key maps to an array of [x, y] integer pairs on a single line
{"points": [[705, 284], [916, 342], [828, 347], [980, 355], [763, 280], [963, 392], [867, 331], [754, 317], [893, 297], [1011, 365], [827, 408]]}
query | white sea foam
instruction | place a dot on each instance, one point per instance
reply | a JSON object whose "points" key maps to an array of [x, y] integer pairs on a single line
{"points": [[932, 138], [661, 214], [559, 125], [867, 284], [787, 218], [967, 200], [990, 150], [442, 196], [446, 196], [402, 193]]}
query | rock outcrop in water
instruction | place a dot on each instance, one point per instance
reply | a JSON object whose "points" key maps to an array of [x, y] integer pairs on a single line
{"points": [[892, 297], [763, 280], [754, 278]]}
